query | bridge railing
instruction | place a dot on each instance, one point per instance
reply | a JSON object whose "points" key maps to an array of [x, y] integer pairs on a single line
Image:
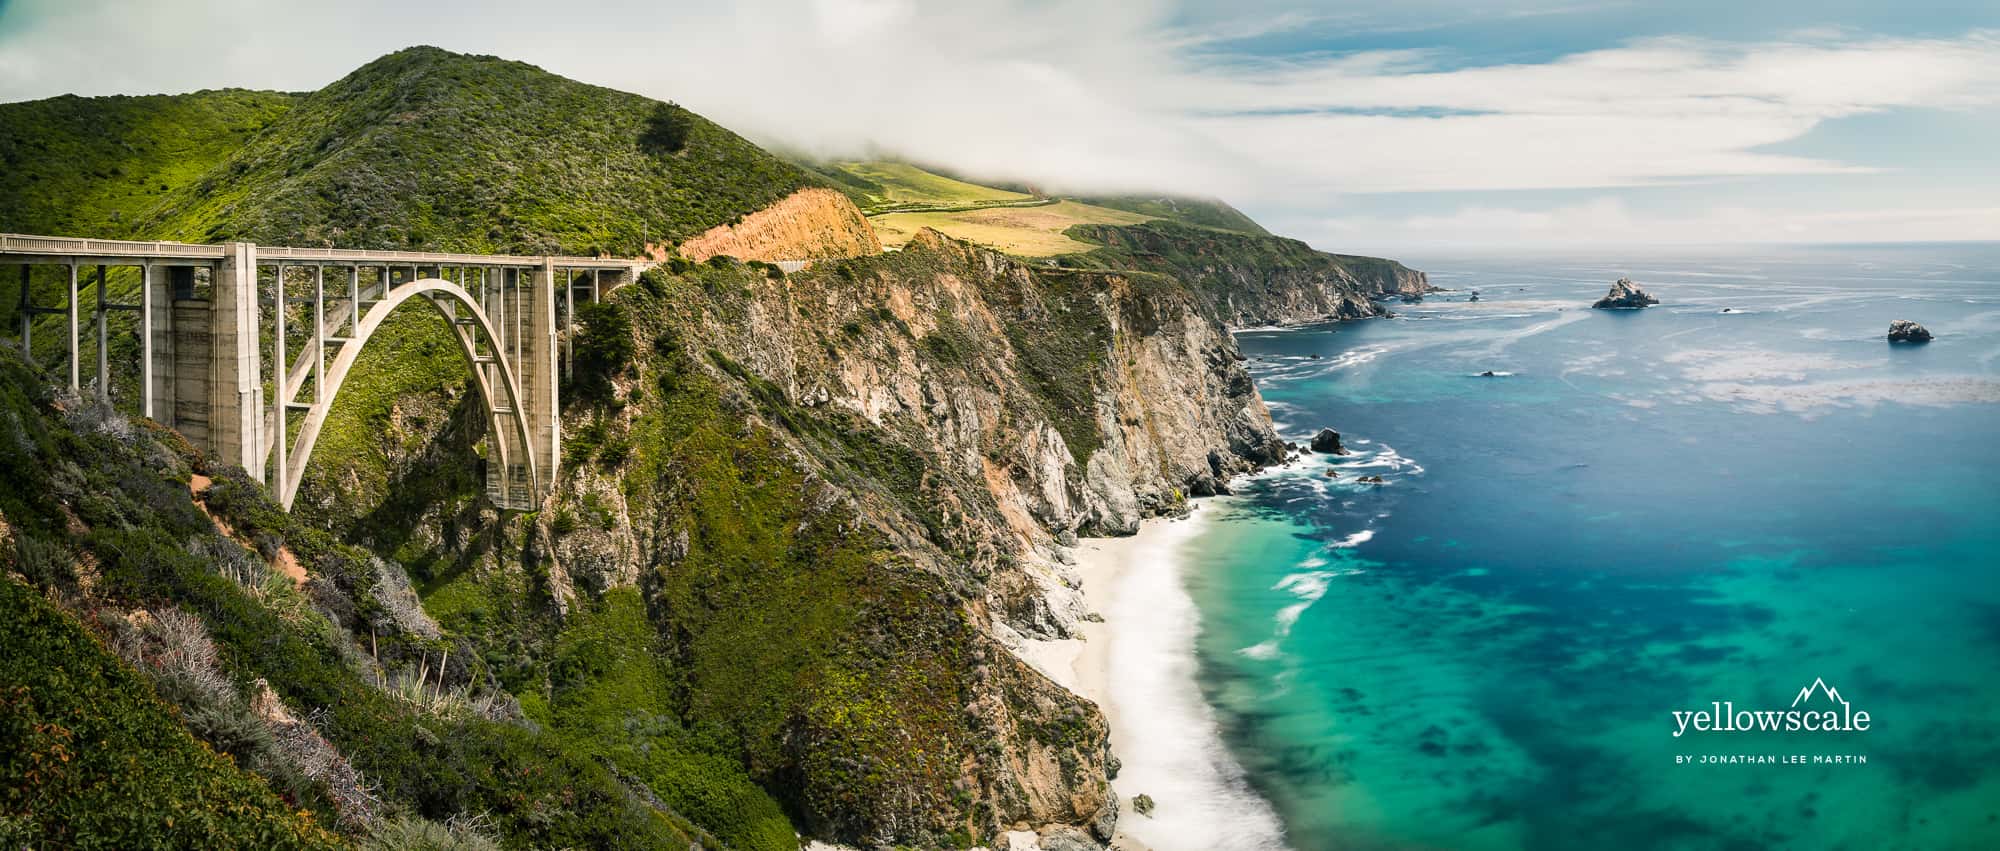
{"points": [[57, 246], [15, 243]]}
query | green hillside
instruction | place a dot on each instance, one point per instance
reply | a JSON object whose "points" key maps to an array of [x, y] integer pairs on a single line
{"points": [[1200, 212], [98, 166], [427, 149], [897, 185], [433, 150]]}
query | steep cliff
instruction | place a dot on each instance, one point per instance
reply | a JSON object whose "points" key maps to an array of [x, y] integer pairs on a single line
{"points": [[837, 492], [1251, 280], [810, 224]]}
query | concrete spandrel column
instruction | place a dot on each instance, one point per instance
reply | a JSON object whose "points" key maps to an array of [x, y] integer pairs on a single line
{"points": [[235, 375]]}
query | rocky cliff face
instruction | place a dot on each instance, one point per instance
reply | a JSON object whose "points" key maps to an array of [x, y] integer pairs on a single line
{"points": [[1250, 280], [838, 492], [810, 224]]}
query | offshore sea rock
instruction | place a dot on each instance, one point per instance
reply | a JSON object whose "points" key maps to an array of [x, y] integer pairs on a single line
{"points": [[1142, 804], [1328, 441], [1905, 331], [1625, 295]]}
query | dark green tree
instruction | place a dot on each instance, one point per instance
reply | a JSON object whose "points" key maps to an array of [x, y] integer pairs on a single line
{"points": [[666, 130]]}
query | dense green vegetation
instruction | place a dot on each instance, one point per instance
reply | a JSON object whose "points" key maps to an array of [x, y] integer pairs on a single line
{"points": [[94, 760], [86, 487], [426, 149], [99, 166]]}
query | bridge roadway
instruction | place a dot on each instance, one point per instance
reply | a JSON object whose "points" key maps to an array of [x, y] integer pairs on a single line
{"points": [[203, 339]]}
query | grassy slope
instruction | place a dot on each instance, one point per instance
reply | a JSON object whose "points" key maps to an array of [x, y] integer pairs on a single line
{"points": [[1025, 231], [1199, 212], [903, 184], [97, 166], [902, 199]]}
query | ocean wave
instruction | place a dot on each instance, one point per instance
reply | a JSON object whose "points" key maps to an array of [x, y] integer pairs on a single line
{"points": [[1354, 540], [1262, 650]]}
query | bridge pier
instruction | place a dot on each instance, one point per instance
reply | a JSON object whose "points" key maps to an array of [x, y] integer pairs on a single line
{"points": [[235, 376]]}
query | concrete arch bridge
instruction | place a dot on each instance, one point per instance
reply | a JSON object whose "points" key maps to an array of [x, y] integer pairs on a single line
{"points": [[244, 348]]}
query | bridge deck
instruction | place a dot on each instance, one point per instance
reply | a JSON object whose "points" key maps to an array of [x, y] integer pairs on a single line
{"points": [[27, 248]]}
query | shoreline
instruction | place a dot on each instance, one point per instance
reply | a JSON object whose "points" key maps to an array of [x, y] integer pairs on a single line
{"points": [[1142, 655]]}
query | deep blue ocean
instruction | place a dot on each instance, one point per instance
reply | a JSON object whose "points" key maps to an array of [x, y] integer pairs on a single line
{"points": [[1724, 498]]}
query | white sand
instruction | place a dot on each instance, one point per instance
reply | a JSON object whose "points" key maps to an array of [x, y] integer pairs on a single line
{"points": [[1138, 666]]}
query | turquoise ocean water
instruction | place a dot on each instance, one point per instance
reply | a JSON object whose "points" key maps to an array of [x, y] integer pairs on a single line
{"points": [[1641, 512]]}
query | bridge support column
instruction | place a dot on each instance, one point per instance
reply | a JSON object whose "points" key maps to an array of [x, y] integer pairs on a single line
{"points": [[235, 376], [539, 365]]}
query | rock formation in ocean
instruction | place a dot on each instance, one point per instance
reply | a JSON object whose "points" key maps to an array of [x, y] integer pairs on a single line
{"points": [[1625, 295], [1906, 331], [1142, 804], [1328, 441]]}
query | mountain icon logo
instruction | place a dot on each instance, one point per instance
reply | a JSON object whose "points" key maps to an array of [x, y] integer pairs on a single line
{"points": [[1819, 685]]}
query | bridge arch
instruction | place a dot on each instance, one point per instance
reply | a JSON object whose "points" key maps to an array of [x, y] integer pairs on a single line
{"points": [[453, 303]]}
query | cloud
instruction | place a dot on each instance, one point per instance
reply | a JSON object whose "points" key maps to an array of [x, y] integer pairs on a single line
{"points": [[1131, 95], [1610, 221]]}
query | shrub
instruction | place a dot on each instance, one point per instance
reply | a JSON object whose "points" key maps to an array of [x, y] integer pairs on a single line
{"points": [[410, 833], [93, 759], [604, 349]]}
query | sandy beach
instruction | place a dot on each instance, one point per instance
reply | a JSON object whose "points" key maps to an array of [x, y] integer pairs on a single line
{"points": [[1137, 664]]}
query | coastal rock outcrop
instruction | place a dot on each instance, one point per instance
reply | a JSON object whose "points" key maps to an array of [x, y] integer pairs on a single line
{"points": [[1905, 331], [1249, 280], [1625, 295], [1328, 441]]}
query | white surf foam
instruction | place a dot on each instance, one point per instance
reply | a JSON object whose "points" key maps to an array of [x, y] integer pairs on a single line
{"points": [[1354, 540], [1172, 749]]}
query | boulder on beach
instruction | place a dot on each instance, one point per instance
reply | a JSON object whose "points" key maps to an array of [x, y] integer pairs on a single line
{"points": [[1142, 804], [1905, 331], [1328, 441], [1625, 295]]}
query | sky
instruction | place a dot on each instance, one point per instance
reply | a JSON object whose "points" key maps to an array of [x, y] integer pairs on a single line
{"points": [[1360, 127]]}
